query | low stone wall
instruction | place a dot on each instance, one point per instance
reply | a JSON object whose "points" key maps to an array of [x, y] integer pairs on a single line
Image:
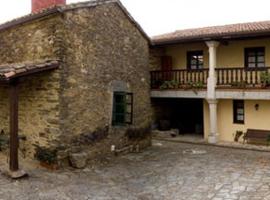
{"points": [[95, 146]]}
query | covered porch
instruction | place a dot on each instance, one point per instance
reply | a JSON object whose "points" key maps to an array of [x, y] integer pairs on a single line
{"points": [[179, 117], [12, 76], [213, 69]]}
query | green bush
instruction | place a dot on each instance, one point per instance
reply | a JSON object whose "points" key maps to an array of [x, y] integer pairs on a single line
{"points": [[172, 84], [46, 155], [196, 85], [265, 78], [268, 139]]}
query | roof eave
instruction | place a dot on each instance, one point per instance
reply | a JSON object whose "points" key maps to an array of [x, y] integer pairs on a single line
{"points": [[29, 18], [35, 71], [208, 38], [6, 80]]}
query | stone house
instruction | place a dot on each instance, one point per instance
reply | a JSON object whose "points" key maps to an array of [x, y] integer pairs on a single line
{"points": [[74, 77], [213, 82]]}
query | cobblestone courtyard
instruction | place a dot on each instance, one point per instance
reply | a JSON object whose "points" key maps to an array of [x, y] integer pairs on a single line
{"points": [[162, 172]]}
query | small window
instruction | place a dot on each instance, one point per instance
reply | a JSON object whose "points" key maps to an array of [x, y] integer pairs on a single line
{"points": [[195, 60], [122, 108], [238, 112], [255, 57]]}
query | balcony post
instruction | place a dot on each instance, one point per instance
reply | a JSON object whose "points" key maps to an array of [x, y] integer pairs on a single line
{"points": [[211, 82], [211, 93]]}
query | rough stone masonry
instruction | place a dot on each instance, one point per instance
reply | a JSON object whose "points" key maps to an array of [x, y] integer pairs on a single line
{"points": [[70, 109]]}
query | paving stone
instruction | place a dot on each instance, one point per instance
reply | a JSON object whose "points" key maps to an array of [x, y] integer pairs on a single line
{"points": [[162, 172]]}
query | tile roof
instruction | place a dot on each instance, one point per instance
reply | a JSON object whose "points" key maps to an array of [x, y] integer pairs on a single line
{"points": [[68, 7], [215, 32], [13, 70]]}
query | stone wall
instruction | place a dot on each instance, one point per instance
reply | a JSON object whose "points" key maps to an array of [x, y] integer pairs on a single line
{"points": [[4, 109], [109, 48], [155, 58], [155, 55], [39, 111], [38, 94], [38, 39], [72, 106]]}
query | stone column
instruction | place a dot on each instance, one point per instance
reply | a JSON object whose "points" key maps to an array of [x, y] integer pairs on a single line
{"points": [[211, 81], [213, 135], [211, 91]]}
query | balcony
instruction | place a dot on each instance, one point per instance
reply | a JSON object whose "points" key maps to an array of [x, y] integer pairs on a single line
{"points": [[232, 78]]}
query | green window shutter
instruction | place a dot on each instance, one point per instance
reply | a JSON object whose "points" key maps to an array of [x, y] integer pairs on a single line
{"points": [[129, 108], [122, 108]]}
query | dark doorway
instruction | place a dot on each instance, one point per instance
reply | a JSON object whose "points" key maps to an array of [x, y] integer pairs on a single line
{"points": [[186, 115]]}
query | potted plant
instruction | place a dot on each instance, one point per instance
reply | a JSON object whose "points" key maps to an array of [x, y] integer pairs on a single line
{"points": [[237, 135], [195, 86], [172, 84], [265, 79], [47, 157]]}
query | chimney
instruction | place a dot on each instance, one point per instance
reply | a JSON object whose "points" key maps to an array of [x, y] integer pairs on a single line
{"points": [[38, 5]]}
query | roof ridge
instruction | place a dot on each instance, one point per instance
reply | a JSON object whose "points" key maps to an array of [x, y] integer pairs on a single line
{"points": [[50, 10], [68, 7], [86, 4]]}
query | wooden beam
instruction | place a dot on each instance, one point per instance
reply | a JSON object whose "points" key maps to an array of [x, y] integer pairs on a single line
{"points": [[14, 139]]}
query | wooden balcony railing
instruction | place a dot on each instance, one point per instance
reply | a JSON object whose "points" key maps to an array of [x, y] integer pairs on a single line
{"points": [[176, 79], [226, 78], [243, 77]]}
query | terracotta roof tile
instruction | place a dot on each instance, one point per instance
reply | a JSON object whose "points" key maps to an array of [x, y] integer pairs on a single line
{"points": [[12, 70], [214, 32]]}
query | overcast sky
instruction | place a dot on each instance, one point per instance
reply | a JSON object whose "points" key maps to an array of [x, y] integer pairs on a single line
{"points": [[161, 16]]}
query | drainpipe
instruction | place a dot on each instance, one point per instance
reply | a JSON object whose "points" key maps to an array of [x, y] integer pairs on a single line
{"points": [[211, 91]]}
